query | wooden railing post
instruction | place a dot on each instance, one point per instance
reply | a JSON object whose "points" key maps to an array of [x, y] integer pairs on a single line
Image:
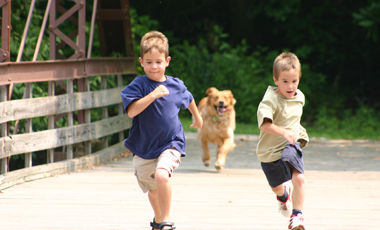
{"points": [[51, 121], [28, 124], [87, 117], [104, 111], [4, 127], [70, 118]]}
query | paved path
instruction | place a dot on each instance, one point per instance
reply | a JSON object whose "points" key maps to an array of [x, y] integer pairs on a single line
{"points": [[342, 179]]}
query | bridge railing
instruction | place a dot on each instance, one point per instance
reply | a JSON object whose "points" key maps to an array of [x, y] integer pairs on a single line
{"points": [[75, 133]]}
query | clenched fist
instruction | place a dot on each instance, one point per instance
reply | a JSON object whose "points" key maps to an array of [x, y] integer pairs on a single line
{"points": [[160, 91]]}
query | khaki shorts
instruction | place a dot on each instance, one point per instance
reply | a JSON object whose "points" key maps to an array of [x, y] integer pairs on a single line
{"points": [[145, 169]]}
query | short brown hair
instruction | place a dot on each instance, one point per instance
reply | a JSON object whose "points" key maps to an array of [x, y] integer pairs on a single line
{"points": [[286, 61], [154, 40]]}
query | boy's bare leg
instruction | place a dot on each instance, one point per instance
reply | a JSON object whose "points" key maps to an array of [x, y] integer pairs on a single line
{"points": [[279, 190], [153, 199], [164, 193], [298, 195]]}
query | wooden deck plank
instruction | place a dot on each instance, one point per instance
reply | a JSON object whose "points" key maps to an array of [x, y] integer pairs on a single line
{"points": [[238, 197]]}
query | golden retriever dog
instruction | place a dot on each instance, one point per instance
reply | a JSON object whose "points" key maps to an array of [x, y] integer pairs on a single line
{"points": [[218, 114]]}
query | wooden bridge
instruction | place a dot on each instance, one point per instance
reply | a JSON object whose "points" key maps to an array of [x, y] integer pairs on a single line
{"points": [[77, 119], [88, 175], [342, 184]]}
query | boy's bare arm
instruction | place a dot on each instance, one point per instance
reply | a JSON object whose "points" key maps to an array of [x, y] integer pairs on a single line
{"points": [[271, 128], [198, 121], [136, 107]]}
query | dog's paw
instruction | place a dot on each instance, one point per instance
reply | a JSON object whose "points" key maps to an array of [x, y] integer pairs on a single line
{"points": [[220, 161], [218, 167], [206, 163]]}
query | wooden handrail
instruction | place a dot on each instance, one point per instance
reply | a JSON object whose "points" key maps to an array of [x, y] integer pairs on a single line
{"points": [[52, 138], [44, 106], [25, 72]]}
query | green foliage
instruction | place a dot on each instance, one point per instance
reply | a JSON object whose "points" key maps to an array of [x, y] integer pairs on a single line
{"points": [[215, 62], [20, 11], [362, 123], [229, 68], [242, 66], [141, 25], [349, 125], [278, 10], [369, 18], [246, 74]]}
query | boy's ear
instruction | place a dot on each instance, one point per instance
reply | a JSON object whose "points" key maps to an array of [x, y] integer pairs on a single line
{"points": [[141, 62], [168, 60], [275, 81]]}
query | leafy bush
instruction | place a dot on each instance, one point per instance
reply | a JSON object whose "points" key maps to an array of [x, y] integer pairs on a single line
{"points": [[247, 75], [361, 123]]}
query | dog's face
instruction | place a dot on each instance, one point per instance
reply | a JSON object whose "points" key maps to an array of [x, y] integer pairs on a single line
{"points": [[221, 101]]}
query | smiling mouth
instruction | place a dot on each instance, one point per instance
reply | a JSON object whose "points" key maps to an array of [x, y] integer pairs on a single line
{"points": [[221, 109]]}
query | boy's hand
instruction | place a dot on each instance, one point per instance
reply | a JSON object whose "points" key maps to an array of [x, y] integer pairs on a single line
{"points": [[197, 124], [289, 136], [160, 91]]}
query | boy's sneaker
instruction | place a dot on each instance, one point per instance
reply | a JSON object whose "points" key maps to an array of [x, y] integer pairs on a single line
{"points": [[296, 222], [285, 207]]}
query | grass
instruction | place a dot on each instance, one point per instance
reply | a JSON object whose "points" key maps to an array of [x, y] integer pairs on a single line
{"points": [[328, 133], [240, 127]]}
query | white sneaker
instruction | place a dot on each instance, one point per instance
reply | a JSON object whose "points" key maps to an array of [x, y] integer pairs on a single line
{"points": [[285, 207], [296, 222]]}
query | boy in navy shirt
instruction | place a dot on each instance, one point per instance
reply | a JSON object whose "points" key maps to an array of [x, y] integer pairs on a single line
{"points": [[156, 137]]}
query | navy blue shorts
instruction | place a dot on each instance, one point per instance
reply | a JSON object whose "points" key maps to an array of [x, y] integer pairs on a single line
{"points": [[278, 172]]}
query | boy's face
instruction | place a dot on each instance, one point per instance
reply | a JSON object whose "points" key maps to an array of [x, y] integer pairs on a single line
{"points": [[154, 64], [287, 82]]}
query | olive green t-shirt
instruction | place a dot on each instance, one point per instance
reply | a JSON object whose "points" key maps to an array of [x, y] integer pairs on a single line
{"points": [[284, 112]]}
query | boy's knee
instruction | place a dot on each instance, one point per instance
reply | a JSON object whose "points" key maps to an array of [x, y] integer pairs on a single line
{"points": [[152, 192], [278, 189], [298, 179], [161, 176]]}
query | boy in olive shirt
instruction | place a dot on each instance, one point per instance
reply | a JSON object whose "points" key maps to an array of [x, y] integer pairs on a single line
{"points": [[282, 137]]}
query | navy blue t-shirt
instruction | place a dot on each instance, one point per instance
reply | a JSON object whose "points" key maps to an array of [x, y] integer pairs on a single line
{"points": [[158, 126]]}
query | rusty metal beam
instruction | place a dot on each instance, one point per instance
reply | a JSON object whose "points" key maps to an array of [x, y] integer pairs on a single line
{"points": [[113, 19], [6, 29], [91, 39], [3, 2], [111, 14], [62, 10], [128, 29], [65, 16], [65, 38], [3, 55], [26, 72], [52, 36], [79, 47], [105, 66]]}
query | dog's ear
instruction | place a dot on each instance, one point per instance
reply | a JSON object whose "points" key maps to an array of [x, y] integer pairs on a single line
{"points": [[211, 90], [231, 96]]}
